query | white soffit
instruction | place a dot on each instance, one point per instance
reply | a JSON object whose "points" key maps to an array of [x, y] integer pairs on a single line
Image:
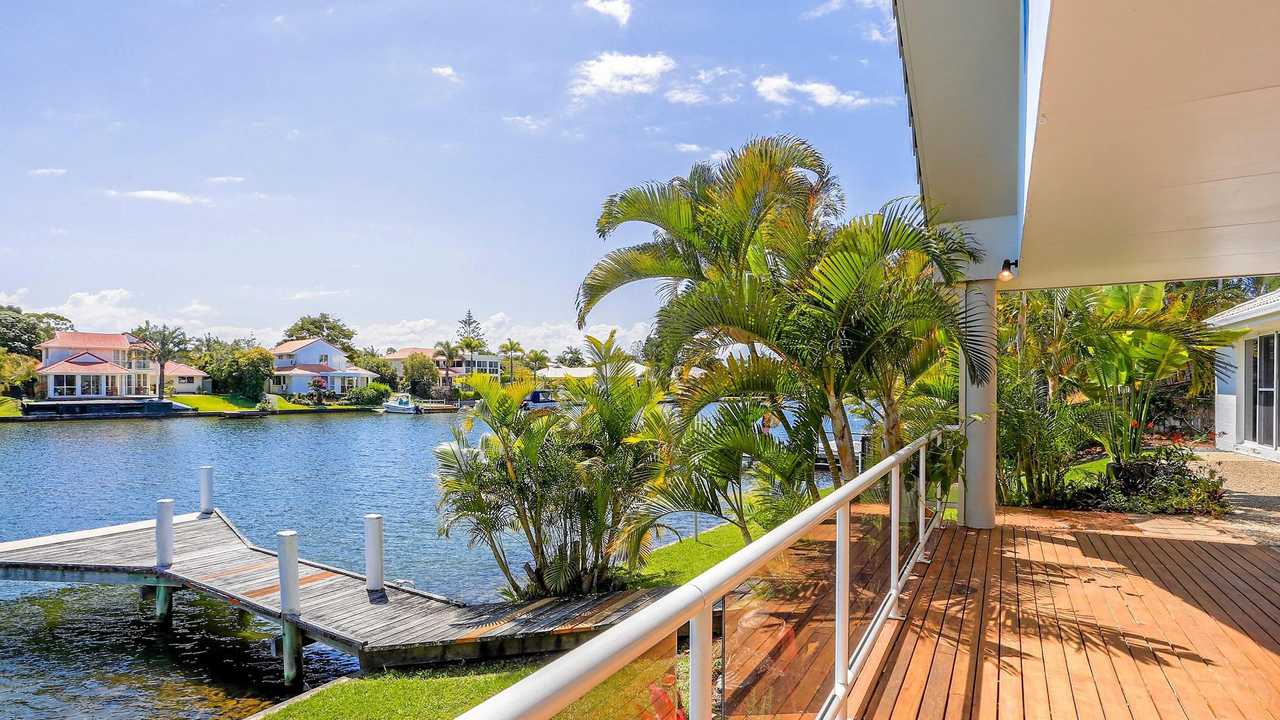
{"points": [[1157, 155]]}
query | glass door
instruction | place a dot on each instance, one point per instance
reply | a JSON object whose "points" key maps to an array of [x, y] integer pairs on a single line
{"points": [[1266, 393]]}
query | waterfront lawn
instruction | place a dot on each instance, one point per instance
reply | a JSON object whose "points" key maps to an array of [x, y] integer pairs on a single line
{"points": [[1083, 473], [10, 407], [429, 694], [684, 560], [215, 403], [284, 404]]}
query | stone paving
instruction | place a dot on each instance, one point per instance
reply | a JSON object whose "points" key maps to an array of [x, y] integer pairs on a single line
{"points": [[1253, 487]]}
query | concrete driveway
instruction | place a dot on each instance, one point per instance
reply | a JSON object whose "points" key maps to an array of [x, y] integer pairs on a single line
{"points": [[1253, 487]]}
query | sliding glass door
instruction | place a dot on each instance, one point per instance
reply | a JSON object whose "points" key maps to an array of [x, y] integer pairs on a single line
{"points": [[1265, 394]]}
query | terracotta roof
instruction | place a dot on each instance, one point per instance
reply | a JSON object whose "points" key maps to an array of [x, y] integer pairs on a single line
{"points": [[113, 341], [176, 368], [289, 346], [291, 371], [403, 353], [314, 369], [353, 370], [85, 363]]}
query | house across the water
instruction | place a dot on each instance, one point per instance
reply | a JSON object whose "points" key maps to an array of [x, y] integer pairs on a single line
{"points": [[299, 362], [90, 365], [1245, 402], [464, 365]]}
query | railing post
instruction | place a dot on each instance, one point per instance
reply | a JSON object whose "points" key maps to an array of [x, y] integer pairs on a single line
{"points": [[291, 634], [842, 595], [701, 686], [373, 565], [206, 489], [921, 499], [895, 517], [164, 533]]}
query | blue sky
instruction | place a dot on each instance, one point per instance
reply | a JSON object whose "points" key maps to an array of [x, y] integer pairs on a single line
{"points": [[231, 166]]}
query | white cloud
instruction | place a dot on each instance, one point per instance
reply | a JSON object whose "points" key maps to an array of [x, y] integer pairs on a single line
{"points": [[47, 172], [883, 30], [825, 8], [718, 156], [315, 294], [688, 147], [528, 123], [423, 332], [278, 20], [447, 72], [225, 179], [165, 196], [781, 89], [619, 10], [195, 307], [13, 298], [103, 311], [686, 95], [556, 336], [620, 74]]}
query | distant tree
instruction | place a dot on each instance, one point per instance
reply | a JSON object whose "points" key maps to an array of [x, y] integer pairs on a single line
{"points": [[254, 366], [451, 352], [164, 344], [571, 357], [376, 364], [16, 370], [419, 375], [21, 332], [511, 350], [536, 360], [471, 346], [324, 326], [469, 327]]}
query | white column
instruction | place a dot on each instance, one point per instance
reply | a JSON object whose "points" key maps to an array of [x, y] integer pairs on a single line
{"points": [[287, 554], [980, 455], [895, 518], [373, 571], [164, 532], [206, 489], [77, 386]]}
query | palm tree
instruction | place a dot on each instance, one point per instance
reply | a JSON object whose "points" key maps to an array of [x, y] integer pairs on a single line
{"points": [[511, 349], [471, 346], [537, 360], [164, 344]]}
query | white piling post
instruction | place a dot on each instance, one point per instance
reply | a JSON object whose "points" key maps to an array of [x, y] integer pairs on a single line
{"points": [[164, 532], [287, 554], [206, 489], [373, 566]]}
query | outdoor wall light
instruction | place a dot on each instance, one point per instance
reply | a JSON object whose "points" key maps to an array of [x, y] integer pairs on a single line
{"points": [[1006, 270]]}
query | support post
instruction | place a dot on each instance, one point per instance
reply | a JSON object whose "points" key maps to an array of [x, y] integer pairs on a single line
{"points": [[979, 502], [701, 686], [373, 557], [287, 555], [895, 517], [922, 486], [164, 533], [164, 604], [206, 489]]}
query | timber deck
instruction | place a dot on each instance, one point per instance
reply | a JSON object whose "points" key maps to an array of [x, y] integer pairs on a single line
{"points": [[1082, 615], [400, 626]]}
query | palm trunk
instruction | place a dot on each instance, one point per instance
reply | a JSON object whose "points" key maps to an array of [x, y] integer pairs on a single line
{"points": [[160, 384], [844, 437]]}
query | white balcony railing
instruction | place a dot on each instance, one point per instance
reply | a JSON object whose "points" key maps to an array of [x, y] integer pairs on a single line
{"points": [[798, 616]]}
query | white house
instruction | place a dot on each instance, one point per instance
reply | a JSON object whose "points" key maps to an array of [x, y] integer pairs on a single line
{"points": [[299, 362], [106, 365], [464, 365], [1245, 402]]}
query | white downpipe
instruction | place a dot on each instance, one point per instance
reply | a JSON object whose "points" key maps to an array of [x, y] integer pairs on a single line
{"points": [[287, 555], [206, 489], [164, 532], [701, 685], [558, 684], [373, 565]]}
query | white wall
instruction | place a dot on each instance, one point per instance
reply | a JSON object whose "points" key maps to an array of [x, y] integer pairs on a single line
{"points": [[310, 355]]}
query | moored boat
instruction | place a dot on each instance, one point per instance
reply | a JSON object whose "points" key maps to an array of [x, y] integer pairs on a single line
{"points": [[400, 403]]}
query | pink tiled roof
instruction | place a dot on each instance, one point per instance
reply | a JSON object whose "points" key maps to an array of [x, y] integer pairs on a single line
{"points": [[315, 368], [85, 363], [176, 368], [353, 370], [289, 346], [403, 353], [112, 341]]}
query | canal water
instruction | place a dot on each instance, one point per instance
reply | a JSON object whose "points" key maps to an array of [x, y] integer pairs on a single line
{"points": [[93, 651]]}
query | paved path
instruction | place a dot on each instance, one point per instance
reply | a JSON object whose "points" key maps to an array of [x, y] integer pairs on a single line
{"points": [[1253, 487]]}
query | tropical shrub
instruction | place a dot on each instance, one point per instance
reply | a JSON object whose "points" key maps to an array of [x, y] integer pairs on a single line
{"points": [[1038, 437], [375, 393], [1162, 481]]}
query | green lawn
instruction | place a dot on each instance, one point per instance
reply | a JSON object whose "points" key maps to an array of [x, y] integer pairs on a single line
{"points": [[684, 560], [1078, 474], [283, 404], [215, 403], [10, 407], [431, 694]]}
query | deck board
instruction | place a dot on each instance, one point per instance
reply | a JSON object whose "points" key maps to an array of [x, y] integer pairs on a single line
{"points": [[211, 556], [1077, 615]]}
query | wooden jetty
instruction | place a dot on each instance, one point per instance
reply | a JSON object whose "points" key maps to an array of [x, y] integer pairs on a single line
{"points": [[383, 624]]}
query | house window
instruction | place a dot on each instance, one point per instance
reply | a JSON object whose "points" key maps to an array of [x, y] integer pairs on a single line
{"points": [[186, 379], [90, 384], [324, 359], [64, 385], [278, 380], [1265, 381]]}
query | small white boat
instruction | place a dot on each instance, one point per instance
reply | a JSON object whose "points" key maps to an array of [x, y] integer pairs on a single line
{"points": [[540, 400], [400, 403]]}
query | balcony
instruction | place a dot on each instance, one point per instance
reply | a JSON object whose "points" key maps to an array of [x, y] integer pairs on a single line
{"points": [[1048, 614]]}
